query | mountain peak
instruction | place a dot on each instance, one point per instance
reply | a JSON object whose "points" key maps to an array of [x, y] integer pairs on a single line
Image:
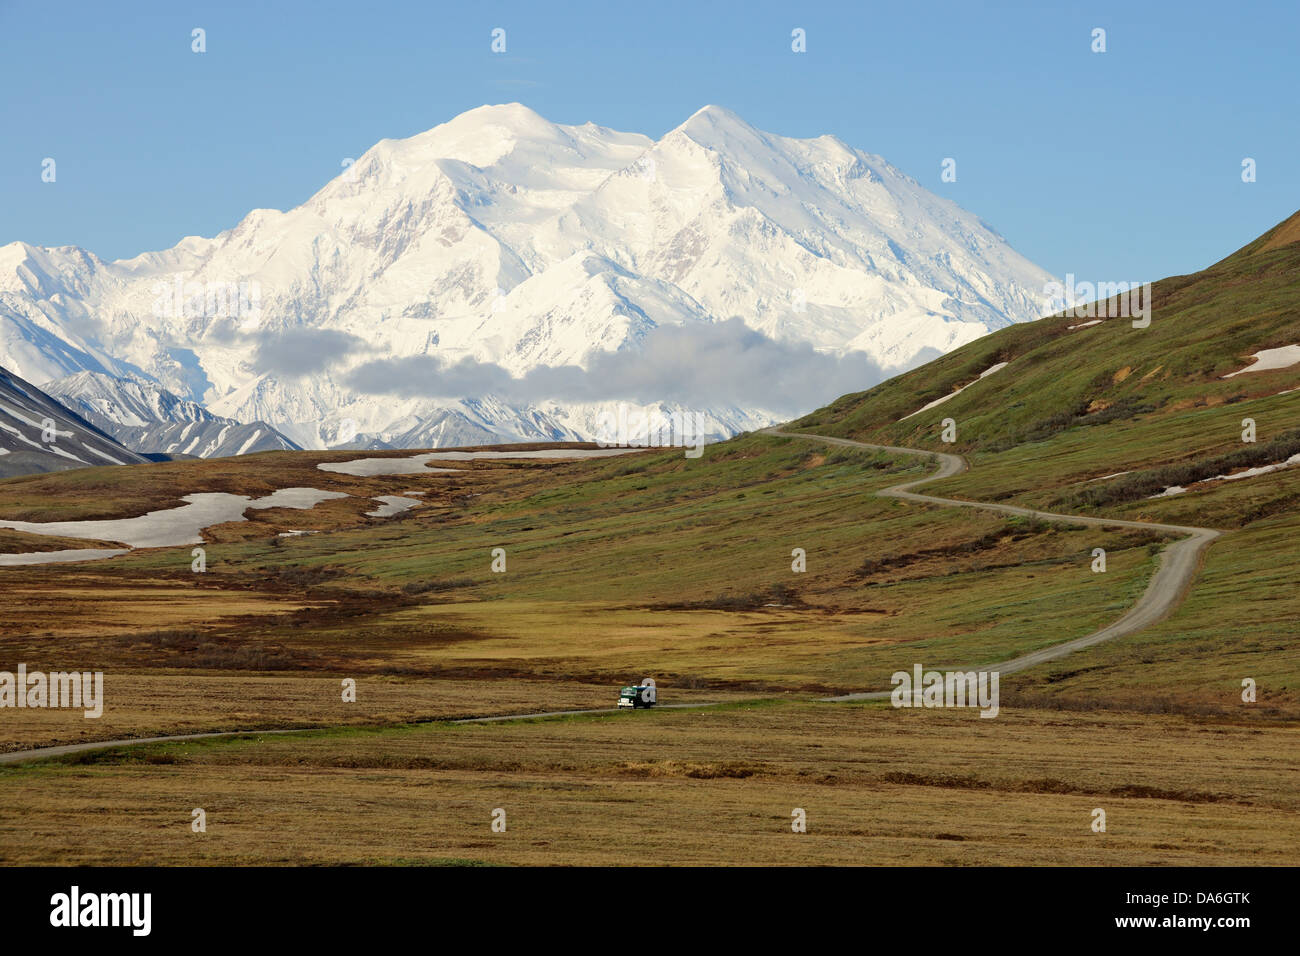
{"points": [[715, 113], [723, 131], [499, 122], [709, 121], [509, 132], [511, 113], [500, 242]]}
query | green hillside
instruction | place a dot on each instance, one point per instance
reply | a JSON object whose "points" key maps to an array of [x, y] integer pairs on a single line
{"points": [[1099, 419], [1075, 404]]}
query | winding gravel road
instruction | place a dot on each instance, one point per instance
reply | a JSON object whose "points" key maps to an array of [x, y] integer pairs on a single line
{"points": [[1179, 564]]}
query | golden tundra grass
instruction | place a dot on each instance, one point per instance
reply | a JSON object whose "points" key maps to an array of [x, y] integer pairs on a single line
{"points": [[879, 786], [142, 704]]}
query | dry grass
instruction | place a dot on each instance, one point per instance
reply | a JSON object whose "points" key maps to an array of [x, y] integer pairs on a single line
{"points": [[145, 705], [690, 787], [20, 542], [84, 608]]}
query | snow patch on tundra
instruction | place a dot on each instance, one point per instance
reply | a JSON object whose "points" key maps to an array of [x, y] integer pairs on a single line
{"points": [[951, 395], [1267, 360]]}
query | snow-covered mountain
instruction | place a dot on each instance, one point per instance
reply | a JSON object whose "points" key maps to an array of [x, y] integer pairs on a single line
{"points": [[468, 280], [37, 434], [147, 418]]}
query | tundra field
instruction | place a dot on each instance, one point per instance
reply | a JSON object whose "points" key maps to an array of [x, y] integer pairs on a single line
{"points": [[711, 786], [654, 564]]}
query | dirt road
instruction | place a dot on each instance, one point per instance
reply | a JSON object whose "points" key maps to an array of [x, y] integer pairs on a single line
{"points": [[1168, 586]]}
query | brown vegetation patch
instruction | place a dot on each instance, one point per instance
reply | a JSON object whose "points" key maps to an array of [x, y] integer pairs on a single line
{"points": [[20, 542], [721, 770], [196, 650], [1051, 785], [778, 594]]}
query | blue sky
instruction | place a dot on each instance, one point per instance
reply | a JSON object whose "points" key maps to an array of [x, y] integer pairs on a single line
{"points": [[1123, 165]]}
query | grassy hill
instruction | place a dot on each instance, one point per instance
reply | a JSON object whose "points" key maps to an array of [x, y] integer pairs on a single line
{"points": [[1077, 402], [1100, 418]]}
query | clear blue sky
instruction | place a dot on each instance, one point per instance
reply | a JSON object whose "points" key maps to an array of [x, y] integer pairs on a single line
{"points": [[1117, 166]]}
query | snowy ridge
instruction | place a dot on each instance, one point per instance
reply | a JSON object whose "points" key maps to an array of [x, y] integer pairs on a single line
{"points": [[38, 434], [147, 418], [507, 242]]}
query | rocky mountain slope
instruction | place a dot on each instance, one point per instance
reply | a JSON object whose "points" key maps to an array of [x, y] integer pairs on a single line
{"points": [[144, 416], [37, 434]]}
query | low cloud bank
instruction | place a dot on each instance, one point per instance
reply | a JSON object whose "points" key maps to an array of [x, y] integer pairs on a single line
{"points": [[709, 364], [304, 351]]}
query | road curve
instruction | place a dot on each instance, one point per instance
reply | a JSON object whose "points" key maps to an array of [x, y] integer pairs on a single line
{"points": [[1179, 562], [1168, 586]]}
